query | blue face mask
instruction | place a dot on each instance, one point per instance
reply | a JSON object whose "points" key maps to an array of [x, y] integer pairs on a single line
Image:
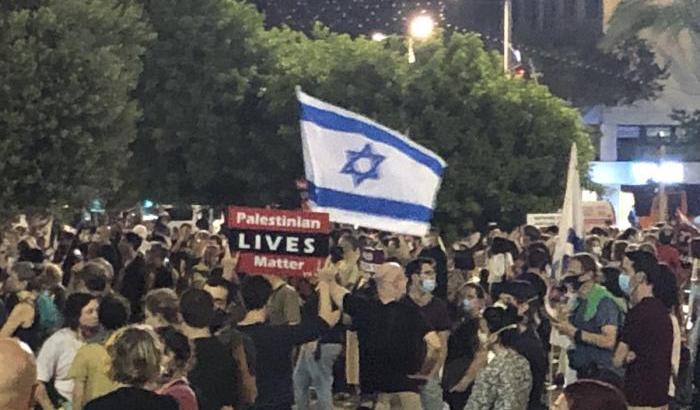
{"points": [[428, 285], [624, 282], [467, 305]]}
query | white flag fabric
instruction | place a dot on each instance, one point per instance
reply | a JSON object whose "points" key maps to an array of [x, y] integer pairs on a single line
{"points": [[365, 174], [571, 222]]}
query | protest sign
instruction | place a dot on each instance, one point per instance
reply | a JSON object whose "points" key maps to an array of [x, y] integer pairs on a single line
{"points": [[272, 241]]}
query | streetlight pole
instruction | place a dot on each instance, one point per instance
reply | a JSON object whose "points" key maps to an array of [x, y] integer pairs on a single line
{"points": [[507, 32]]}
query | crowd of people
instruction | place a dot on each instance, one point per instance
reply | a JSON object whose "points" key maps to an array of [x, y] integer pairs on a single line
{"points": [[157, 316]]}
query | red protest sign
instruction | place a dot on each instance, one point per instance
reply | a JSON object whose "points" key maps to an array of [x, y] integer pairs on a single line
{"points": [[271, 241]]}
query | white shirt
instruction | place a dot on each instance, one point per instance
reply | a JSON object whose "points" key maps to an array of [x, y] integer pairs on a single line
{"points": [[498, 266], [55, 359]]}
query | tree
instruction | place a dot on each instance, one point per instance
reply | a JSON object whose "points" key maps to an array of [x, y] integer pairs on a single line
{"points": [[200, 84], [66, 114], [506, 141]]}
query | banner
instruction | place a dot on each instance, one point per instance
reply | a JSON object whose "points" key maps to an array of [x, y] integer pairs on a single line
{"points": [[277, 242]]}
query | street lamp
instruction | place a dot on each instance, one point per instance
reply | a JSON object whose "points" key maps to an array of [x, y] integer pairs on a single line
{"points": [[420, 28], [378, 36]]}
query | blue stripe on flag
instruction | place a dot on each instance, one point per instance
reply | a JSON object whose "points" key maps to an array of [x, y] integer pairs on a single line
{"points": [[330, 198], [337, 122]]}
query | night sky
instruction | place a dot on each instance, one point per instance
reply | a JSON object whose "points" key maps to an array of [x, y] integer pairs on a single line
{"points": [[349, 16]]}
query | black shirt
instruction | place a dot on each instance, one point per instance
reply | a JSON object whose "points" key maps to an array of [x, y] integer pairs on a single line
{"points": [[132, 398], [391, 343], [214, 376], [531, 348], [309, 310], [434, 313], [273, 367], [134, 285]]}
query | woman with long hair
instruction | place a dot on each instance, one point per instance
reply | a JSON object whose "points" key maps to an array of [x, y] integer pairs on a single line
{"points": [[59, 350]]}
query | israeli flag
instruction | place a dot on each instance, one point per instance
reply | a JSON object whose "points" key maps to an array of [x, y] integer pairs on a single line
{"points": [[365, 174]]}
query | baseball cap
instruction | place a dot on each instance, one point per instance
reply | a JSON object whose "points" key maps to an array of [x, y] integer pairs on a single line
{"points": [[371, 259]]}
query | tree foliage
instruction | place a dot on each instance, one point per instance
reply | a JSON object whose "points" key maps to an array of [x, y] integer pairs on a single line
{"points": [[199, 91], [68, 68], [506, 141]]}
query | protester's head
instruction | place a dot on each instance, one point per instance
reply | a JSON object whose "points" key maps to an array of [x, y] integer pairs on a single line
{"points": [[80, 311], [618, 251], [50, 276], [537, 258], [531, 234], [92, 278], [197, 308], [177, 352], [581, 273], [135, 356], [646, 275], [161, 308], [134, 240], [666, 235], [521, 295], [422, 275], [18, 375], [156, 254], [219, 289], [591, 395], [255, 291], [594, 246], [113, 312], [22, 274], [391, 282], [502, 325], [666, 287], [471, 299], [350, 245], [615, 281]]}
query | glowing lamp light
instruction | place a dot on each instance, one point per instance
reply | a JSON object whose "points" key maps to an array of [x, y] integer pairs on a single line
{"points": [[666, 172], [378, 36], [421, 27]]}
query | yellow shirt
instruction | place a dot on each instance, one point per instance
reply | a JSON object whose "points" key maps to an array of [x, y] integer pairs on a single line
{"points": [[91, 367]]}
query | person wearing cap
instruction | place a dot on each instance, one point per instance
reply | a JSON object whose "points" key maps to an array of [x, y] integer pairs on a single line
{"points": [[422, 283], [21, 290], [506, 382], [397, 347], [647, 340], [524, 297], [593, 324]]}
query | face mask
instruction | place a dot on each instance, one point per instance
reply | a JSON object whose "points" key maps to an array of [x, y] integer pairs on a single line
{"points": [[467, 305], [574, 282], [571, 301], [483, 338], [624, 282], [428, 285]]}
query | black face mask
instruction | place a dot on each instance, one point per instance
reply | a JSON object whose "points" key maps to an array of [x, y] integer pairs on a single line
{"points": [[574, 282], [219, 320]]}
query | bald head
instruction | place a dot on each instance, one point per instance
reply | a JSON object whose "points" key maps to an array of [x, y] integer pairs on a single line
{"points": [[17, 375], [391, 282]]}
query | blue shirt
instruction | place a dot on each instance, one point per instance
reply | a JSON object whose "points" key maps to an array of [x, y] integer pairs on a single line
{"points": [[608, 314]]}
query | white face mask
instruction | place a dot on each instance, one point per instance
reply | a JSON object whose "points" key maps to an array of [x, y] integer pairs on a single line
{"points": [[483, 338]]}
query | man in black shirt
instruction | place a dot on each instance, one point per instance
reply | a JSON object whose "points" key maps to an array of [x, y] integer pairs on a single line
{"points": [[274, 344], [214, 376], [397, 347], [422, 277]]}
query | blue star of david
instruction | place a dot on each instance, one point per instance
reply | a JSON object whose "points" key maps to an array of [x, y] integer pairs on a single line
{"points": [[359, 176]]}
